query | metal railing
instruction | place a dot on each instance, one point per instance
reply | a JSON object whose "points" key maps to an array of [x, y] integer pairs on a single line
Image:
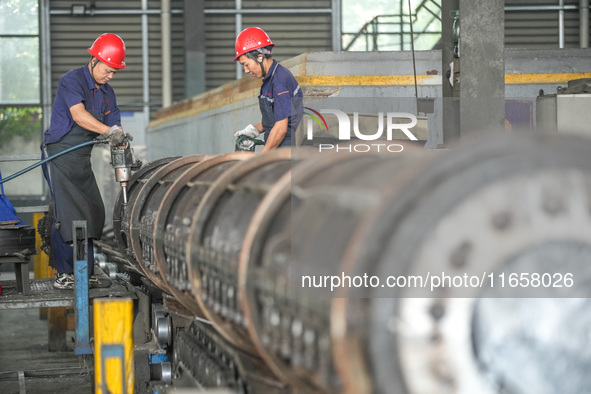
{"points": [[378, 26], [398, 26]]}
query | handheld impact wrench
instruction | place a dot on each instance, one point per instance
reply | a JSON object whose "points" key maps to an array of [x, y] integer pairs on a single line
{"points": [[123, 162]]}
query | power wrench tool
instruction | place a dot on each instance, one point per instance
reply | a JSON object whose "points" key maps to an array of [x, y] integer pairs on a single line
{"points": [[239, 140], [124, 161]]}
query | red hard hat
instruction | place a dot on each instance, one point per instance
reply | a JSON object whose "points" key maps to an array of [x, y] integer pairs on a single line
{"points": [[110, 49], [251, 39]]}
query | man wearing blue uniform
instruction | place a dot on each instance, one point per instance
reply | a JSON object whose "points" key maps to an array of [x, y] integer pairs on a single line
{"points": [[280, 99], [85, 107]]}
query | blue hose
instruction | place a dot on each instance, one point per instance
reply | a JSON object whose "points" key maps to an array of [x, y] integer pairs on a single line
{"points": [[21, 172]]}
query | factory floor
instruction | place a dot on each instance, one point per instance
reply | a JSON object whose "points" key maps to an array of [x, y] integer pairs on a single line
{"points": [[26, 364]]}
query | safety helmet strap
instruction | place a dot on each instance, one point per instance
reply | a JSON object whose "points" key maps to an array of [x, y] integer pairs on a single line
{"points": [[256, 55], [92, 66]]}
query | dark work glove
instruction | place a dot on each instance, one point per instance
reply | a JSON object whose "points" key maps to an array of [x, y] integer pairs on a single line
{"points": [[116, 136]]}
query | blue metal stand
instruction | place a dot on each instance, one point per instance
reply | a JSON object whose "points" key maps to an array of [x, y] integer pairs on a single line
{"points": [[81, 288]]}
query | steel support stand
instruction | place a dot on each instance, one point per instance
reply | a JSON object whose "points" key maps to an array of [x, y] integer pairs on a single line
{"points": [[79, 237]]}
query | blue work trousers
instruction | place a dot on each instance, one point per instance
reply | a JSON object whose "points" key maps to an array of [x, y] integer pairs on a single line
{"points": [[64, 253]]}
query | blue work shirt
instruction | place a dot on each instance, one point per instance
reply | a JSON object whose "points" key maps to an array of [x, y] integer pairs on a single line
{"points": [[280, 88], [76, 86]]}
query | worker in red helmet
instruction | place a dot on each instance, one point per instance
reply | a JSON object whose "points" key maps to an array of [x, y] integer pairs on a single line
{"points": [[280, 99], [85, 107]]}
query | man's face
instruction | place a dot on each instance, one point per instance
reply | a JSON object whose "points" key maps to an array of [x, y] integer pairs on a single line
{"points": [[104, 73], [251, 66]]}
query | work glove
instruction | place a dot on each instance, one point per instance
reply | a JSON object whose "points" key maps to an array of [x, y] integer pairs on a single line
{"points": [[249, 131], [116, 136]]}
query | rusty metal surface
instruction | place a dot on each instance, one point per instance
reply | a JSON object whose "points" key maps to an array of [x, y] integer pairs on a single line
{"points": [[122, 212], [328, 194], [173, 222], [217, 231], [470, 211], [204, 356], [145, 208], [232, 236]]}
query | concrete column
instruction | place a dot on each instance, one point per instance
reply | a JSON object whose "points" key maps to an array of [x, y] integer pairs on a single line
{"points": [[482, 63], [194, 47]]}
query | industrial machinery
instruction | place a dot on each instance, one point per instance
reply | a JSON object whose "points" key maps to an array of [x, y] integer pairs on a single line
{"points": [[124, 162], [566, 110], [295, 271]]}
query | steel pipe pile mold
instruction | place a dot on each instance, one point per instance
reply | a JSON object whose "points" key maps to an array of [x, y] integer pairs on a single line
{"points": [[500, 207], [217, 234], [234, 235], [145, 209], [122, 211], [309, 219], [173, 221]]}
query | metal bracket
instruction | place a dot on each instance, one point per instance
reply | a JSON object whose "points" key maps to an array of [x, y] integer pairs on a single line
{"points": [[79, 237]]}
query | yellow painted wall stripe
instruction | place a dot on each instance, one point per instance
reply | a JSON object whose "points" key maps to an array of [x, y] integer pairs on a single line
{"points": [[368, 80], [113, 325], [402, 80], [201, 105], [517, 79]]}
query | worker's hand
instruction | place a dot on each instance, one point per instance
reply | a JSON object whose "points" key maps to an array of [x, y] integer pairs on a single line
{"points": [[116, 136], [246, 144], [249, 131]]}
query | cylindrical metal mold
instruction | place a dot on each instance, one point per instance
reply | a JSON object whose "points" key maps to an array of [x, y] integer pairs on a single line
{"points": [[508, 206], [173, 221], [144, 212], [217, 233], [304, 226], [122, 212], [503, 206]]}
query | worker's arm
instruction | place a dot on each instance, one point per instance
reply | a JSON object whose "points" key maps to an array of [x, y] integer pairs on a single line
{"points": [[276, 135], [259, 127], [84, 119]]}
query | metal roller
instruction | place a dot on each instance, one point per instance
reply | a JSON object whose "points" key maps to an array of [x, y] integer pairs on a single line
{"points": [[173, 221], [145, 209], [500, 208], [202, 355]]}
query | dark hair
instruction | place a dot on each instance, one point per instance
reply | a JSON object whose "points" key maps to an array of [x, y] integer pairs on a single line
{"points": [[266, 51]]}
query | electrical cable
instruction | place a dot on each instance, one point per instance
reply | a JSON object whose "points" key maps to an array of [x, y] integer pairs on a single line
{"points": [[414, 64], [25, 170]]}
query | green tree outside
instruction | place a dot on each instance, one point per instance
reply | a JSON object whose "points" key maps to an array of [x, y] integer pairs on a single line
{"points": [[19, 121]]}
